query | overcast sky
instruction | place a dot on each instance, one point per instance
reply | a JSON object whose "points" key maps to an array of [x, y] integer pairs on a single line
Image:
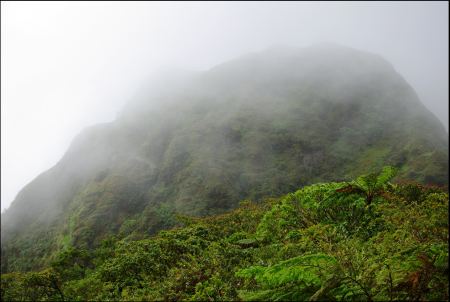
{"points": [[65, 66]]}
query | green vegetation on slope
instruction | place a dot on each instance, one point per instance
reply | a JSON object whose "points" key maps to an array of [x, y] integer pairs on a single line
{"points": [[366, 239], [256, 127]]}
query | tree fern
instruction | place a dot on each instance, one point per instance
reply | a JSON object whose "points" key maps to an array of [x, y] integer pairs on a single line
{"points": [[299, 277], [371, 185]]}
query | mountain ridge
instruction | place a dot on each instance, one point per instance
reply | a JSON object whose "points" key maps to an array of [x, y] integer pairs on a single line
{"points": [[261, 125]]}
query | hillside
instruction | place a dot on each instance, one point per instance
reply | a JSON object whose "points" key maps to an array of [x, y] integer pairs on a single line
{"points": [[259, 126], [365, 240]]}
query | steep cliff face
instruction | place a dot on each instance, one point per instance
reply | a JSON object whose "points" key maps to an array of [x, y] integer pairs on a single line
{"points": [[261, 125]]}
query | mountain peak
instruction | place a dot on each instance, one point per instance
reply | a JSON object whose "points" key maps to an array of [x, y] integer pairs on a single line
{"points": [[254, 127]]}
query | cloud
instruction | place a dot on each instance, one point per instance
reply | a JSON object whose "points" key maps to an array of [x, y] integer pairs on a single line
{"points": [[67, 65]]}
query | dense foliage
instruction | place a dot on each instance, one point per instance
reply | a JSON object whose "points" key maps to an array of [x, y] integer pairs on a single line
{"points": [[362, 240]]}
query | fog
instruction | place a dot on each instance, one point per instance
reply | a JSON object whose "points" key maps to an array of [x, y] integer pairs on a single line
{"points": [[66, 66]]}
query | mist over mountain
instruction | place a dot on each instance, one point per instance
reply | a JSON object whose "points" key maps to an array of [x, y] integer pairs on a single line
{"points": [[197, 143]]}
